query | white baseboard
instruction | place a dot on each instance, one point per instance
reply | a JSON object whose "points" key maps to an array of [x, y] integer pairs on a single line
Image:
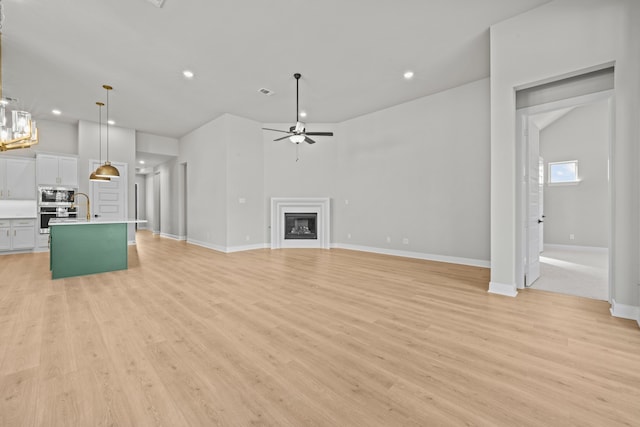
{"points": [[416, 255], [247, 247], [173, 236], [208, 245], [503, 289], [24, 251], [575, 248], [624, 311], [228, 249], [131, 242]]}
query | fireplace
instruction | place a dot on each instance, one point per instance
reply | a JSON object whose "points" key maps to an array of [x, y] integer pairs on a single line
{"points": [[299, 225], [300, 222]]}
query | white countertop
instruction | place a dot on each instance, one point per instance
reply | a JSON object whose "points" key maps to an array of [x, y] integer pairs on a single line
{"points": [[66, 221]]}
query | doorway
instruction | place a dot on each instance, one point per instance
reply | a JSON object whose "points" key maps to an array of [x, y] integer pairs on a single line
{"points": [[156, 203], [572, 255], [135, 189], [182, 203]]}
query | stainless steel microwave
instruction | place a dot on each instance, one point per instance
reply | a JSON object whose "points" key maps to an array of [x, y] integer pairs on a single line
{"points": [[55, 196]]}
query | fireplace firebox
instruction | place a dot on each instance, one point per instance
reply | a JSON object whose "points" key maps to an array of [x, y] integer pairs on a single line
{"points": [[300, 226]]}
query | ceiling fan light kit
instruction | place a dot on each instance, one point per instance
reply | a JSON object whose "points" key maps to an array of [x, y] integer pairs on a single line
{"points": [[297, 134]]}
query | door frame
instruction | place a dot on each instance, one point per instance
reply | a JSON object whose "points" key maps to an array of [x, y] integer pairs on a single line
{"points": [[93, 164], [522, 116]]}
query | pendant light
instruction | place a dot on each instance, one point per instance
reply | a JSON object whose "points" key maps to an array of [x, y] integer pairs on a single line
{"points": [[93, 176], [107, 170]]}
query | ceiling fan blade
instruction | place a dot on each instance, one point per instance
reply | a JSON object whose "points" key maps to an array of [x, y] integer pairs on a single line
{"points": [[284, 137], [276, 130], [309, 140], [319, 133]]}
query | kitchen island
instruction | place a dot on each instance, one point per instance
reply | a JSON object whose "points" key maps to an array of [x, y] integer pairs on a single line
{"points": [[80, 247]]}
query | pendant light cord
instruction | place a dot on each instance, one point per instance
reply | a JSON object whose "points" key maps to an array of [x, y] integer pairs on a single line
{"points": [[100, 104], [107, 123]]}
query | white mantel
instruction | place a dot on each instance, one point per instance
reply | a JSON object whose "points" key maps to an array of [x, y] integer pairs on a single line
{"points": [[282, 205]]}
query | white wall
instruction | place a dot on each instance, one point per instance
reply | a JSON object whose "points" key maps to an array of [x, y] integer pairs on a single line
{"points": [[411, 171], [420, 171], [225, 207], [122, 143], [580, 210], [314, 174], [141, 182], [149, 202], [559, 39], [57, 137], [205, 152], [149, 143], [168, 225], [245, 174]]}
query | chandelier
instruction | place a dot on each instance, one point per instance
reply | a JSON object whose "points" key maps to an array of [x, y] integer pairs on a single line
{"points": [[21, 131]]}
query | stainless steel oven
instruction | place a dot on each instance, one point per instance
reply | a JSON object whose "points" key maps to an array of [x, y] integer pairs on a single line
{"points": [[55, 196], [47, 213]]}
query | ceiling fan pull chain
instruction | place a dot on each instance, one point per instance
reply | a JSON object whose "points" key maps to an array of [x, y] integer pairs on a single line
{"points": [[297, 152]]}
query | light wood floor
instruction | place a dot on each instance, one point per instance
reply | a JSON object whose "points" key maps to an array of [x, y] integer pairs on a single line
{"points": [[191, 337]]}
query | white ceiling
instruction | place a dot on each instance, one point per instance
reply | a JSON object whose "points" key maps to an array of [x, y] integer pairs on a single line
{"points": [[351, 53]]}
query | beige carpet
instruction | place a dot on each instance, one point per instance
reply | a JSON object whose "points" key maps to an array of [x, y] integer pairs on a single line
{"points": [[574, 271]]}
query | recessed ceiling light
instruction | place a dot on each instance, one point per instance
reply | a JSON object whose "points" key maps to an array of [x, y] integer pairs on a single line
{"points": [[111, 122], [141, 162], [56, 112], [408, 75], [188, 74], [303, 114]]}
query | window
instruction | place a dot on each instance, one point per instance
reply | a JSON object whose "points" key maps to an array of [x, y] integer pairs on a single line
{"points": [[563, 172]]}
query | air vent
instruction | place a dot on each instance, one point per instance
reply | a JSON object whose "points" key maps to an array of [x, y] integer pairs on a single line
{"points": [[266, 91], [156, 3]]}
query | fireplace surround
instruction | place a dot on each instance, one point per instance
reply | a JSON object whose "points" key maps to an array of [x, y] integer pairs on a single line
{"points": [[310, 212]]}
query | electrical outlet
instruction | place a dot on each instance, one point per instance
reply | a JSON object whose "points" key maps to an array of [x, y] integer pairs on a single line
{"points": [[405, 241], [388, 239], [247, 238], [346, 201], [348, 235], [572, 237], [242, 200]]}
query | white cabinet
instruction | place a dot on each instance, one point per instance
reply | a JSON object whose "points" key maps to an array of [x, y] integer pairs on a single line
{"points": [[5, 235], [57, 170], [17, 234], [17, 179], [24, 234]]}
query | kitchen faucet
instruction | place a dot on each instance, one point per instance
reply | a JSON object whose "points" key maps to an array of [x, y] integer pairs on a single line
{"points": [[88, 204]]}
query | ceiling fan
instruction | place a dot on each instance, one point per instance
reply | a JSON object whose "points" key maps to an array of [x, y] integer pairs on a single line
{"points": [[297, 133]]}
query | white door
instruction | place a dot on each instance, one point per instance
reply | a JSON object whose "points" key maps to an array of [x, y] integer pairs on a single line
{"points": [[533, 203], [109, 198], [541, 202]]}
